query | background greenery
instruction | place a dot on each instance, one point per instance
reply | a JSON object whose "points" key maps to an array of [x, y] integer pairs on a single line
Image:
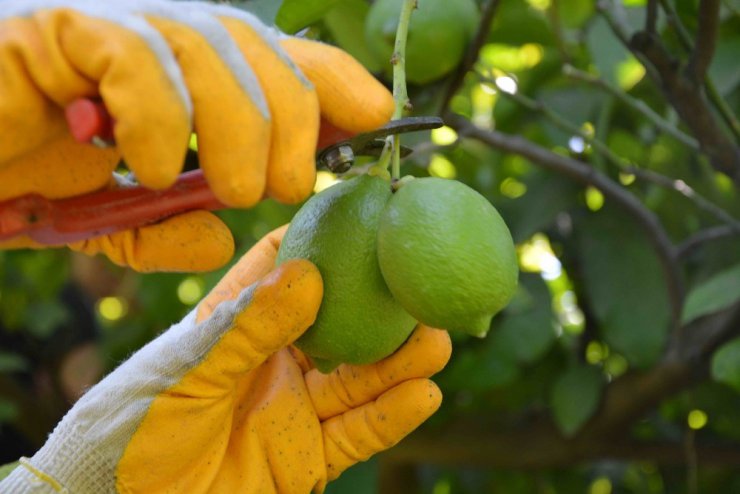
{"points": [[605, 133]]}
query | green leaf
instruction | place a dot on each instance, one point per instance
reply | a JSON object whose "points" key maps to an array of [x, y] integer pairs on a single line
{"points": [[44, 317], [265, 10], [475, 369], [526, 330], [714, 294], [726, 364], [8, 410], [575, 397], [346, 23], [297, 14], [12, 362], [548, 194], [624, 284]]}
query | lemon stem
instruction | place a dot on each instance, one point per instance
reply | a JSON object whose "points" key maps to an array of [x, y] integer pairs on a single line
{"points": [[400, 95]]}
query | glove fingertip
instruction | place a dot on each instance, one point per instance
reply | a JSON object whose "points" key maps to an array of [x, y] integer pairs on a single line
{"points": [[289, 297]]}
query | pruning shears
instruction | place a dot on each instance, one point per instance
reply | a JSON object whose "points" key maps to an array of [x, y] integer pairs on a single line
{"points": [[60, 221]]}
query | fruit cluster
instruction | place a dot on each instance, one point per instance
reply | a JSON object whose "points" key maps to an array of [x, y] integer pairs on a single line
{"points": [[434, 251]]}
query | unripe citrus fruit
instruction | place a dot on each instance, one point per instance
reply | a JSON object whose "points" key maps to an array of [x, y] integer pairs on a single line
{"points": [[438, 34], [446, 255], [359, 321]]}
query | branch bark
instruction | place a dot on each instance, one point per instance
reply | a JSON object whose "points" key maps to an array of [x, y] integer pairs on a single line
{"points": [[587, 175], [481, 36], [706, 39]]}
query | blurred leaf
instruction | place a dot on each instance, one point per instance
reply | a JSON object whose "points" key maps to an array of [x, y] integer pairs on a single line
{"points": [[475, 369], [574, 13], [8, 410], [526, 330], [624, 284], [605, 55], [361, 478], [725, 71], [576, 105], [265, 10], [294, 15], [726, 364], [43, 317], [346, 23], [517, 23], [12, 362], [575, 397], [548, 194], [712, 295]]}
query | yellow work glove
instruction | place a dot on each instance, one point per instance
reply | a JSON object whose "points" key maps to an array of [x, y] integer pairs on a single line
{"points": [[164, 69], [220, 403]]}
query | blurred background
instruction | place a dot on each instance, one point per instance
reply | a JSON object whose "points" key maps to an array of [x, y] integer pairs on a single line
{"points": [[606, 134]]}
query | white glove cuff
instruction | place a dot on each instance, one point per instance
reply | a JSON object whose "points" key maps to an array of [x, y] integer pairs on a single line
{"points": [[65, 464]]}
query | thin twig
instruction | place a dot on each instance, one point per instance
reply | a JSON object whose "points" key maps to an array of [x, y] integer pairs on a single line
{"points": [[620, 29], [688, 44], [688, 192], [706, 39], [682, 93], [704, 236], [674, 185], [675, 22], [471, 56], [687, 98], [553, 14], [587, 175], [651, 19], [634, 103]]}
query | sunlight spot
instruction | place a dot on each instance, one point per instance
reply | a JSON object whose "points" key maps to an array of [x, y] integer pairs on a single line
{"points": [[577, 144], [536, 256], [539, 4], [442, 486], [112, 308], [626, 178], [193, 144], [444, 136], [511, 58], [596, 352], [324, 180], [513, 188], [441, 167], [601, 485], [697, 419], [506, 84], [616, 365], [190, 290], [594, 199], [483, 103], [629, 73]]}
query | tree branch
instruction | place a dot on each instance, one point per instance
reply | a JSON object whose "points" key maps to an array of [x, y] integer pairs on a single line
{"points": [[686, 97], [471, 56], [710, 234], [651, 19], [537, 443], [635, 103], [587, 175], [706, 39]]}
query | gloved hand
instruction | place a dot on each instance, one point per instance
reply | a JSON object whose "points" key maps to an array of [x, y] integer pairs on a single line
{"points": [[164, 69], [220, 402]]}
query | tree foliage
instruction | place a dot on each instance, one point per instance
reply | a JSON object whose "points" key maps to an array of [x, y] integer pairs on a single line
{"points": [[606, 135]]}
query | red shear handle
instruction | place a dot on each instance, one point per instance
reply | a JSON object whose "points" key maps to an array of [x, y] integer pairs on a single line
{"points": [[56, 222]]}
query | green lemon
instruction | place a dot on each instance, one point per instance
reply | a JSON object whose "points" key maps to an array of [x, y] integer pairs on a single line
{"points": [[439, 32], [447, 255], [359, 321]]}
